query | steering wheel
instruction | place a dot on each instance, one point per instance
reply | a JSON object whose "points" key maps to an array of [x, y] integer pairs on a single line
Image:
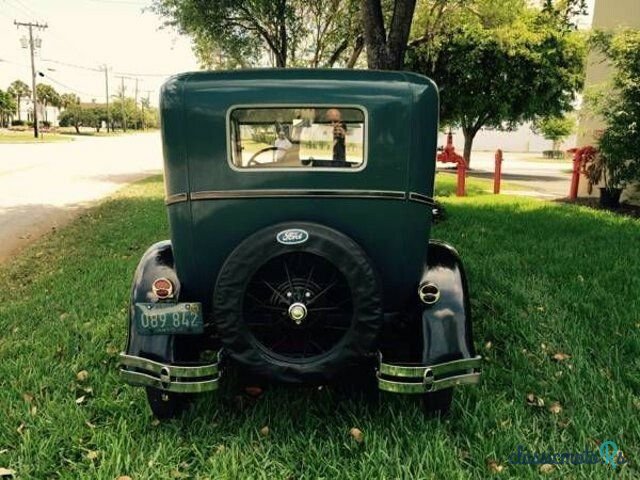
{"points": [[252, 161]]}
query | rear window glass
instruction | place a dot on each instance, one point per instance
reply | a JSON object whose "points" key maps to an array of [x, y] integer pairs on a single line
{"points": [[292, 138]]}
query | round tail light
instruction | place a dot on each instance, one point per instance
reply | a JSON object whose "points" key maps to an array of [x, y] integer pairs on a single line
{"points": [[162, 288]]}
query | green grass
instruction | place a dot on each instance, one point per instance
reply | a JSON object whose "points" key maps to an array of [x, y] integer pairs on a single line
{"points": [[70, 132], [545, 278], [26, 136]]}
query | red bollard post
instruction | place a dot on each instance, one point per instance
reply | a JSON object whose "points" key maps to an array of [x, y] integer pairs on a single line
{"points": [[497, 172], [462, 174], [575, 175]]}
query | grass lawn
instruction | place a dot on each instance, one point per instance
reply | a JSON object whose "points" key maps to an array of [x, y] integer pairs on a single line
{"points": [[91, 132], [545, 279], [26, 136]]}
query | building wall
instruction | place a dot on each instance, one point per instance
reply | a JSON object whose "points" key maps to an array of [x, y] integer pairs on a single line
{"points": [[608, 15]]}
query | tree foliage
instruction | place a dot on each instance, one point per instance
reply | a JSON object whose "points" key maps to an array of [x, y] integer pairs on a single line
{"points": [[7, 108], [18, 89], [501, 69], [48, 96], [619, 143], [555, 128], [246, 33]]}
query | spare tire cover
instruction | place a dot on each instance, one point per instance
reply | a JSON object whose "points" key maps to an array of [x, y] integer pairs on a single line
{"points": [[256, 250]]}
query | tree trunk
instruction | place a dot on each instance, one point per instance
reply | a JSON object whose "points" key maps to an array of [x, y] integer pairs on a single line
{"points": [[386, 52], [357, 50], [469, 135], [18, 99]]}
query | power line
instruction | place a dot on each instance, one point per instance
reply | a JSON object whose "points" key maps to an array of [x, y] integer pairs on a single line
{"points": [[29, 10], [129, 2], [72, 65], [75, 90]]}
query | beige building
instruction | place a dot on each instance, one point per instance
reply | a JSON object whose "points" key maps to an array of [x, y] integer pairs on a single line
{"points": [[608, 15]]}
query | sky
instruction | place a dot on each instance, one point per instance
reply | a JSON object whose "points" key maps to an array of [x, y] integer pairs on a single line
{"points": [[91, 33]]}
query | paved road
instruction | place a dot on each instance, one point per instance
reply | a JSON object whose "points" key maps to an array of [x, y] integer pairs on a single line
{"points": [[539, 179], [43, 186]]}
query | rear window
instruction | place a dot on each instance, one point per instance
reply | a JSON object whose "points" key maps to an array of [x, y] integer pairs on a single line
{"points": [[291, 138]]}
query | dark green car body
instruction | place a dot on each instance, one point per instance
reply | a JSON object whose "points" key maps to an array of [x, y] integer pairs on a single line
{"points": [[414, 295], [402, 110]]}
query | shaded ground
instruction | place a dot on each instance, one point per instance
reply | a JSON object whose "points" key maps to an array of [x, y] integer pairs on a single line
{"points": [[623, 209]]}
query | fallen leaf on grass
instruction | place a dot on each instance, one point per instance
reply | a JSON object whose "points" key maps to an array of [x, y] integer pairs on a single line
{"points": [[124, 477], [534, 401], [155, 422], [220, 449], [27, 397], [546, 468], [560, 357], [357, 434], [92, 454], [555, 408], [79, 400], [82, 376], [20, 428], [264, 431], [89, 424], [33, 411], [7, 472], [112, 350], [494, 466]]}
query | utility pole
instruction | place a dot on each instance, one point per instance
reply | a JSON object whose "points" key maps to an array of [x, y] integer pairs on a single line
{"points": [[106, 86], [136, 100], [124, 115], [144, 123], [40, 26]]}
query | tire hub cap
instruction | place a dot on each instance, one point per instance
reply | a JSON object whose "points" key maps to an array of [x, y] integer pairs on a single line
{"points": [[297, 312]]}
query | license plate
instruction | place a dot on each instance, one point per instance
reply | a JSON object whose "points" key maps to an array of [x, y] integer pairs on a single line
{"points": [[168, 318]]}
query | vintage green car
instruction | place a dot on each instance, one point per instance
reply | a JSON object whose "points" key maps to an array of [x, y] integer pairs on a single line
{"points": [[300, 206]]}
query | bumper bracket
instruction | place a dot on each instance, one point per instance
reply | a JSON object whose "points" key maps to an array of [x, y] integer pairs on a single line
{"points": [[405, 378], [194, 378]]}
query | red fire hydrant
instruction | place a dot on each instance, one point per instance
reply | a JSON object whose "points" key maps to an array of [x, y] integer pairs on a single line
{"points": [[449, 155], [580, 156], [497, 173]]}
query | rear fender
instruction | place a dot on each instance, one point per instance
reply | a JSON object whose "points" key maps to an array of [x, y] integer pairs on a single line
{"points": [[156, 262], [446, 325]]}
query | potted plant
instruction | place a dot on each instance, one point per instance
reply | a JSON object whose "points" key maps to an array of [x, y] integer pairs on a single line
{"points": [[617, 161], [605, 167]]}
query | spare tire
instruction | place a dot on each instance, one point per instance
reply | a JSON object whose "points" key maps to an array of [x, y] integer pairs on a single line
{"points": [[298, 302]]}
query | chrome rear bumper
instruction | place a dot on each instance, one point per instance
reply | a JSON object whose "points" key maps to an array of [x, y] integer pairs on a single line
{"points": [[428, 378], [192, 378]]}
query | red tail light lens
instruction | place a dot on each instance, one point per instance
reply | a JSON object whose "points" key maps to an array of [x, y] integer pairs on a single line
{"points": [[162, 288]]}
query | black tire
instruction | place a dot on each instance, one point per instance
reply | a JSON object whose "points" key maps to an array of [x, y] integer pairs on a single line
{"points": [[361, 324], [437, 404], [166, 405]]}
